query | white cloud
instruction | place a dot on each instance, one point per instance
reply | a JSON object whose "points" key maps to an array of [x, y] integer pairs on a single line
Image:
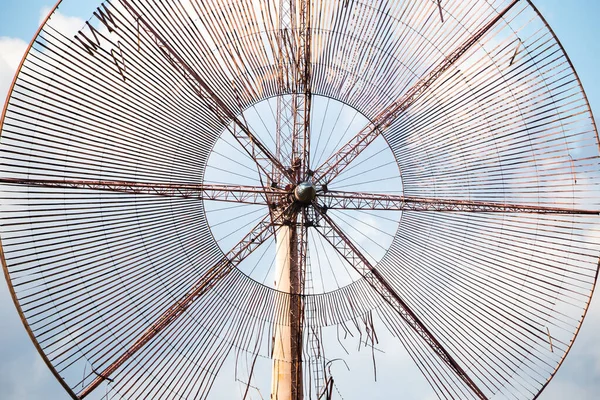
{"points": [[65, 24], [13, 49], [11, 52]]}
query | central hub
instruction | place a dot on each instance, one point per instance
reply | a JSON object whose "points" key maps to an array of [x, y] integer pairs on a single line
{"points": [[305, 193]]}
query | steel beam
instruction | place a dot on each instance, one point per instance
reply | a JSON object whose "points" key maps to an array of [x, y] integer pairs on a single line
{"points": [[378, 202], [303, 92], [264, 159], [294, 77], [257, 236], [344, 246], [338, 161], [200, 191]]}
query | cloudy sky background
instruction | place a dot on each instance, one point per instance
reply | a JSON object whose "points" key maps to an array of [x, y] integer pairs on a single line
{"points": [[23, 375]]}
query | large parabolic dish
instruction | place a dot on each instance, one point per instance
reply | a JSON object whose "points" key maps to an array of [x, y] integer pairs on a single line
{"points": [[216, 198]]}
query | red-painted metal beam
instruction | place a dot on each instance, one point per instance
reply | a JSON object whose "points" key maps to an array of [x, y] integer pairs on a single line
{"points": [[335, 164], [344, 246], [264, 159], [257, 236], [229, 193], [372, 201]]}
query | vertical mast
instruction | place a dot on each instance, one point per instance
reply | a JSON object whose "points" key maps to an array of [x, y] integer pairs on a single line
{"points": [[281, 385], [282, 382], [293, 148], [294, 78], [287, 342]]}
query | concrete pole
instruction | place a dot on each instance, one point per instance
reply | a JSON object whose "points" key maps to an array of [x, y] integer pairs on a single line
{"points": [[281, 384], [287, 347]]}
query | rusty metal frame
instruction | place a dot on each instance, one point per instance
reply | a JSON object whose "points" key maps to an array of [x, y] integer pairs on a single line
{"points": [[216, 192], [258, 152], [325, 173], [372, 201], [593, 289], [256, 237], [339, 160], [344, 246]]}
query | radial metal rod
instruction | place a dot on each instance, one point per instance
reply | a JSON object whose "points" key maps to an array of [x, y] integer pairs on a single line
{"points": [[201, 191], [372, 201], [335, 164], [254, 147], [257, 236], [344, 246]]}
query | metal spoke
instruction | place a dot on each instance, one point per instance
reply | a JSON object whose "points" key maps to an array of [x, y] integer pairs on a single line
{"points": [[228, 193], [343, 245], [335, 164], [265, 161], [377, 202], [257, 236]]}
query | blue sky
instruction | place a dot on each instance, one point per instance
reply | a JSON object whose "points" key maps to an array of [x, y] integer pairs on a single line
{"points": [[24, 376]]}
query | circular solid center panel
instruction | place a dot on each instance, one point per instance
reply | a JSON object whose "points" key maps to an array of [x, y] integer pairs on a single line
{"points": [[305, 193]]}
